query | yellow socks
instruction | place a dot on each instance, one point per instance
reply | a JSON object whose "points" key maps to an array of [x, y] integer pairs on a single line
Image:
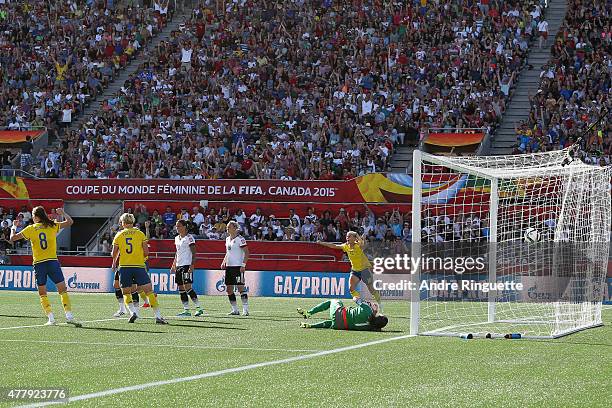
{"points": [[152, 300], [44, 302], [127, 298], [66, 302]]}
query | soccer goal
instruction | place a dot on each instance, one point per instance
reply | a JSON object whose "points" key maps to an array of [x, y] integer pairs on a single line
{"points": [[539, 220]]}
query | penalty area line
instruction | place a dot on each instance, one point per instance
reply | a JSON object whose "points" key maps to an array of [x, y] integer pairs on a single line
{"points": [[219, 373]]}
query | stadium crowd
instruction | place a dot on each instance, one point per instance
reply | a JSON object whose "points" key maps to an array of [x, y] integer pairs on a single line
{"points": [[388, 230], [303, 90], [57, 56], [574, 89]]}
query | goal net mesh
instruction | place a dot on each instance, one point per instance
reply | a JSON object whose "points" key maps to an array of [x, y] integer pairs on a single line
{"points": [[533, 220]]}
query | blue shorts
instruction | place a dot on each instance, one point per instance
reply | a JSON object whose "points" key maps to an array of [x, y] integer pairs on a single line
{"points": [[128, 275], [364, 275], [50, 268]]}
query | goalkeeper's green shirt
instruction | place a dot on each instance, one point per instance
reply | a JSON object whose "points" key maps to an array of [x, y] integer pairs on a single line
{"points": [[353, 318]]}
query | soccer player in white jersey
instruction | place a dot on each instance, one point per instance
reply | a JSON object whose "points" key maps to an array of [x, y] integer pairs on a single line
{"points": [[234, 263], [182, 267]]}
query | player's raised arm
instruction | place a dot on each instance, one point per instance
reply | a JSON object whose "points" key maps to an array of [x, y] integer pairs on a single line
{"points": [[330, 245], [361, 240], [68, 221], [15, 236]]}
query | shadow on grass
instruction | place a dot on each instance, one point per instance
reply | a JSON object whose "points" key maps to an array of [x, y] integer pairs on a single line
{"points": [[198, 321], [238, 318], [111, 329], [173, 324], [23, 316]]}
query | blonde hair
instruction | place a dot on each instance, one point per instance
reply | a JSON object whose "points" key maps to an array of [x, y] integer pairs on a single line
{"points": [[127, 218], [352, 233], [235, 224]]}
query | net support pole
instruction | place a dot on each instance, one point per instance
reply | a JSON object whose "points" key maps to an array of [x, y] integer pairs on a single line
{"points": [[493, 211], [415, 296]]}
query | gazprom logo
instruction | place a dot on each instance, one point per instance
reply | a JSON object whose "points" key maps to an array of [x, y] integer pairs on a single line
{"points": [[73, 283], [222, 287]]}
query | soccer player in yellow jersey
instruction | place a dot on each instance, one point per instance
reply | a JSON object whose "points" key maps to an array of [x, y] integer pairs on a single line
{"points": [[360, 264], [129, 251], [136, 295], [42, 235]]}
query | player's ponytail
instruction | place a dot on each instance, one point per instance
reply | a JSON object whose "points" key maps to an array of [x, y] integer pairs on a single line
{"points": [[42, 216]]}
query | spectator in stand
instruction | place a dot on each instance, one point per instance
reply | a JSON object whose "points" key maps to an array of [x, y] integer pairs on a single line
{"points": [[307, 230], [312, 217], [342, 221], [169, 217], [197, 217], [4, 259], [26, 153]]}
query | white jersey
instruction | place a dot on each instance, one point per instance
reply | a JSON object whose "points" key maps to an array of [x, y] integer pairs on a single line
{"points": [[183, 250], [235, 253]]}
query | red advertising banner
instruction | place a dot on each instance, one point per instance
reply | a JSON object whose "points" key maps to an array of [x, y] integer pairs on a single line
{"points": [[376, 187], [394, 188]]}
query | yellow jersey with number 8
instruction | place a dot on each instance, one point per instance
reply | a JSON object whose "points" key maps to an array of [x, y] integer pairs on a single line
{"points": [[42, 239], [129, 241]]}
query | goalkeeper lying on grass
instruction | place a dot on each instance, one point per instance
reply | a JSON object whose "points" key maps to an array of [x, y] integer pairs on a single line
{"points": [[364, 316]]}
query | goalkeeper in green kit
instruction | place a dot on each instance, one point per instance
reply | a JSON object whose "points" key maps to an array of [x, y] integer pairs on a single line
{"points": [[364, 316]]}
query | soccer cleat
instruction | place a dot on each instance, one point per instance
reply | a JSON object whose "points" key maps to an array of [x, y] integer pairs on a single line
{"points": [[159, 320], [145, 306], [50, 323], [119, 313], [245, 312], [133, 318], [200, 312], [184, 313], [304, 325], [303, 312], [74, 323], [234, 313]]}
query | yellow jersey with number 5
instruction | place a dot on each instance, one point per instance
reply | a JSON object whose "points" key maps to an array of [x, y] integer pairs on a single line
{"points": [[129, 241], [42, 239]]}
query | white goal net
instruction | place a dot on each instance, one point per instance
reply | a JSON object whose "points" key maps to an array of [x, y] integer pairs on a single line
{"points": [[535, 229]]}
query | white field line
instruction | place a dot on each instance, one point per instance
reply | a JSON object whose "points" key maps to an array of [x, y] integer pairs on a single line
{"points": [[139, 387], [178, 346]]}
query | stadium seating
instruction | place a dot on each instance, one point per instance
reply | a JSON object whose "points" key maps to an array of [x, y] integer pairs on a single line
{"points": [[221, 99], [574, 88], [57, 56]]}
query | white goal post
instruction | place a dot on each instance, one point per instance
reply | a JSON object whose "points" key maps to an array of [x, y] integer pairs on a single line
{"points": [[536, 227]]}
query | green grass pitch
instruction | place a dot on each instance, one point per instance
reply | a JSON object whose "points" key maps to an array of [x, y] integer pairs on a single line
{"points": [[413, 372]]}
